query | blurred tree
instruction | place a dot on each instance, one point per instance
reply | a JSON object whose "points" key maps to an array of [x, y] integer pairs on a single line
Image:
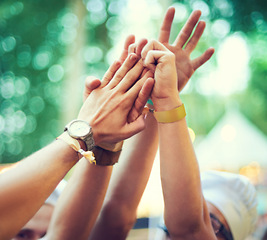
{"points": [[244, 15], [41, 43], [239, 16], [74, 64], [254, 100], [30, 54]]}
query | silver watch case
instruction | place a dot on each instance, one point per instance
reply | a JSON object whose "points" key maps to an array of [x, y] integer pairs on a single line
{"points": [[81, 130]]}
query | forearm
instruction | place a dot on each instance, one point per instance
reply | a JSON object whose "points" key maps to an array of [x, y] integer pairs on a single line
{"points": [[180, 177], [128, 183], [24, 188], [133, 170], [184, 205], [80, 202]]}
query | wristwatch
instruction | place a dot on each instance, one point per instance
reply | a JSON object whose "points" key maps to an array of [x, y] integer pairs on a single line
{"points": [[81, 130], [106, 155]]}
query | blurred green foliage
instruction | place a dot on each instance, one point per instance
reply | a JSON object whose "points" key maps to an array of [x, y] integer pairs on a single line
{"points": [[29, 49], [36, 37], [254, 99], [250, 18]]}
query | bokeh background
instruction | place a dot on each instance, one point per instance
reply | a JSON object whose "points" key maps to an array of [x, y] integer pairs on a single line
{"points": [[47, 48]]}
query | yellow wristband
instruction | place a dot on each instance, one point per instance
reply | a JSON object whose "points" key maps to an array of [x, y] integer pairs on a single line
{"points": [[169, 116]]}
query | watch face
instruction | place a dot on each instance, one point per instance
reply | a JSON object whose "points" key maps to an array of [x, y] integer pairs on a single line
{"points": [[79, 129]]}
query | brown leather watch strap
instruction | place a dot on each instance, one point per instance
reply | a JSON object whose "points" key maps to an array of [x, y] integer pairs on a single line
{"points": [[104, 157]]}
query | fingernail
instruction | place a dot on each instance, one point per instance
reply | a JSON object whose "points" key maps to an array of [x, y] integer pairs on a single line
{"points": [[133, 56]]}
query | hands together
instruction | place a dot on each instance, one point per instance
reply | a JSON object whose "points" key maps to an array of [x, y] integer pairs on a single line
{"points": [[182, 47], [161, 62], [133, 96], [107, 107]]}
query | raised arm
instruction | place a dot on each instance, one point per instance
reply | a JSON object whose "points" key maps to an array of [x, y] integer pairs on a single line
{"points": [[23, 189], [130, 177], [186, 215], [82, 199], [127, 184]]}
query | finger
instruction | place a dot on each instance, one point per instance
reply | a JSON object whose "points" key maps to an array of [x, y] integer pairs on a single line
{"points": [[132, 77], [199, 61], [153, 58], [144, 94], [128, 41], [132, 48], [144, 72], [141, 99], [165, 29], [152, 45], [134, 91], [126, 67], [110, 73], [192, 43], [137, 47], [134, 127], [91, 83], [187, 29], [140, 45]]}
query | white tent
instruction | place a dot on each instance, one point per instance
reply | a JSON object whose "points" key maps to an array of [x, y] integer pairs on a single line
{"points": [[234, 142]]}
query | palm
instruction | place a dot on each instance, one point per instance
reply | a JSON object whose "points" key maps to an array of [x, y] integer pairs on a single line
{"points": [[184, 45], [184, 66]]}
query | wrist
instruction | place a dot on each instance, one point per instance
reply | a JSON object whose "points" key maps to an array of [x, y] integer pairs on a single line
{"points": [[82, 144], [81, 131], [100, 140], [170, 116], [73, 155], [166, 104], [72, 144], [75, 145], [113, 147], [105, 157]]}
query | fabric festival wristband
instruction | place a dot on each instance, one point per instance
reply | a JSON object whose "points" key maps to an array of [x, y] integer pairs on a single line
{"points": [[112, 147], [170, 116], [149, 101], [75, 145], [105, 157]]}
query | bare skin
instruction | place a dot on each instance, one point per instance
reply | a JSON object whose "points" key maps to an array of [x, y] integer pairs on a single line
{"points": [[125, 173]]}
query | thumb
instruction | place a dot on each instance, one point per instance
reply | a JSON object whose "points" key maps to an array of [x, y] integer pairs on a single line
{"points": [[91, 83], [134, 127]]}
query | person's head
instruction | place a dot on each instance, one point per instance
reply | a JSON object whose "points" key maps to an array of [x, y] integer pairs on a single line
{"points": [[37, 227], [231, 199]]}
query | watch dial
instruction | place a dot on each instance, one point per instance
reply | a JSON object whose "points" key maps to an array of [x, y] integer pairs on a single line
{"points": [[79, 129]]}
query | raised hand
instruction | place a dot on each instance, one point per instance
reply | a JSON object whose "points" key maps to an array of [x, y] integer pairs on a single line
{"points": [[92, 82], [130, 46], [161, 62], [182, 48], [107, 107]]}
